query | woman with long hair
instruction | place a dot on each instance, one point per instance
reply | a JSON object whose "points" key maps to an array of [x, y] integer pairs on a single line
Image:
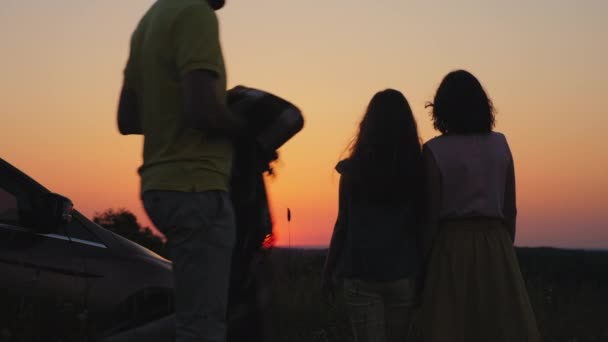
{"points": [[474, 290], [374, 246]]}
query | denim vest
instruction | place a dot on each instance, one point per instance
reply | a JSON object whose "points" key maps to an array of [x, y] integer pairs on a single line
{"points": [[381, 240]]}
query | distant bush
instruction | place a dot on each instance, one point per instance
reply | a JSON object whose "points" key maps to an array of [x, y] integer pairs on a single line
{"points": [[124, 223]]}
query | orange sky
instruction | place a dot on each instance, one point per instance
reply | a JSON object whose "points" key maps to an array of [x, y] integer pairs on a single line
{"points": [[543, 64]]}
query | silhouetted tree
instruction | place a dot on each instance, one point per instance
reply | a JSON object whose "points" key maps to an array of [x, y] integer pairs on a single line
{"points": [[124, 223]]}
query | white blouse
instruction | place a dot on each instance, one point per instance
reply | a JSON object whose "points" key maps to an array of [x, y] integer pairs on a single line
{"points": [[477, 177]]}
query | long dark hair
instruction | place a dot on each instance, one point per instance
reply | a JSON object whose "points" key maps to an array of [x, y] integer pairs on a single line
{"points": [[461, 105], [385, 155]]}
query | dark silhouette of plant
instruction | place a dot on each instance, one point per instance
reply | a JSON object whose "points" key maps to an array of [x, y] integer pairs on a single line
{"points": [[124, 223]]}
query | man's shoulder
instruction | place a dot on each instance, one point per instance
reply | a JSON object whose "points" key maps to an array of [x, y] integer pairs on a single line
{"points": [[176, 8], [166, 11], [160, 19]]}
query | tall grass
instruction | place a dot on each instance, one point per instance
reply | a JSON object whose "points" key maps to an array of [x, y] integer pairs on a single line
{"points": [[568, 290]]}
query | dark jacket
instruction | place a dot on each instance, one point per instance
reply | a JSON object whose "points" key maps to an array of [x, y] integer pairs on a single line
{"points": [[381, 241]]}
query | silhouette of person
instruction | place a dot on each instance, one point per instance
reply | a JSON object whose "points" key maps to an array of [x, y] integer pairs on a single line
{"points": [[174, 93], [375, 246], [271, 121], [474, 290]]}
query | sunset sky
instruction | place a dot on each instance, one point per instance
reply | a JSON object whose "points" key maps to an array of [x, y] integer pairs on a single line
{"points": [[544, 64]]}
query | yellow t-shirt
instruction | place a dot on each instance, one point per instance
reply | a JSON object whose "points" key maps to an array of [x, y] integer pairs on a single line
{"points": [[173, 38]]}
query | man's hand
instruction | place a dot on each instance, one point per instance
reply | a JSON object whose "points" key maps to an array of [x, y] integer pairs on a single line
{"points": [[128, 113]]}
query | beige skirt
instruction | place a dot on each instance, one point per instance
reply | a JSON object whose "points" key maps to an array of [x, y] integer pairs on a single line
{"points": [[473, 289]]}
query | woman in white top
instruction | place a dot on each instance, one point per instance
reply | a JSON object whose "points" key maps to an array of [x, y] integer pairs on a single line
{"points": [[474, 290]]}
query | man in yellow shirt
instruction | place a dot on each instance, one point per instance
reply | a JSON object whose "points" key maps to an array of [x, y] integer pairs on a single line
{"points": [[174, 93]]}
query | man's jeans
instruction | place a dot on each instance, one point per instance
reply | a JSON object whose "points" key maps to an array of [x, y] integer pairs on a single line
{"points": [[201, 233], [379, 311]]}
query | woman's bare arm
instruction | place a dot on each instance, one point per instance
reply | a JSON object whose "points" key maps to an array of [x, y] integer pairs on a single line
{"points": [[510, 206], [337, 239]]}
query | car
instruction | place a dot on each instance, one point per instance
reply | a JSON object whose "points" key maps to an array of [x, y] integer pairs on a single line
{"points": [[65, 278]]}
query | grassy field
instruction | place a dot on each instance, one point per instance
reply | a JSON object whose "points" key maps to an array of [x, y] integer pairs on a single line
{"points": [[568, 290]]}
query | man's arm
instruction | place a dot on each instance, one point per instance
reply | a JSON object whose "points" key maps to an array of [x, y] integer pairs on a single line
{"points": [[200, 64], [128, 113], [203, 108]]}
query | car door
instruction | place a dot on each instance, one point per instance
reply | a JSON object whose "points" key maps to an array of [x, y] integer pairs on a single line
{"points": [[48, 279], [16, 281], [91, 249]]}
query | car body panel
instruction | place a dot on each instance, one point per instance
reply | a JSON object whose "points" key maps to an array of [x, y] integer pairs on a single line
{"points": [[80, 281]]}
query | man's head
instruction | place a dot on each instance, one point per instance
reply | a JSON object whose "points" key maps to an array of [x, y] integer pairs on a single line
{"points": [[216, 4]]}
